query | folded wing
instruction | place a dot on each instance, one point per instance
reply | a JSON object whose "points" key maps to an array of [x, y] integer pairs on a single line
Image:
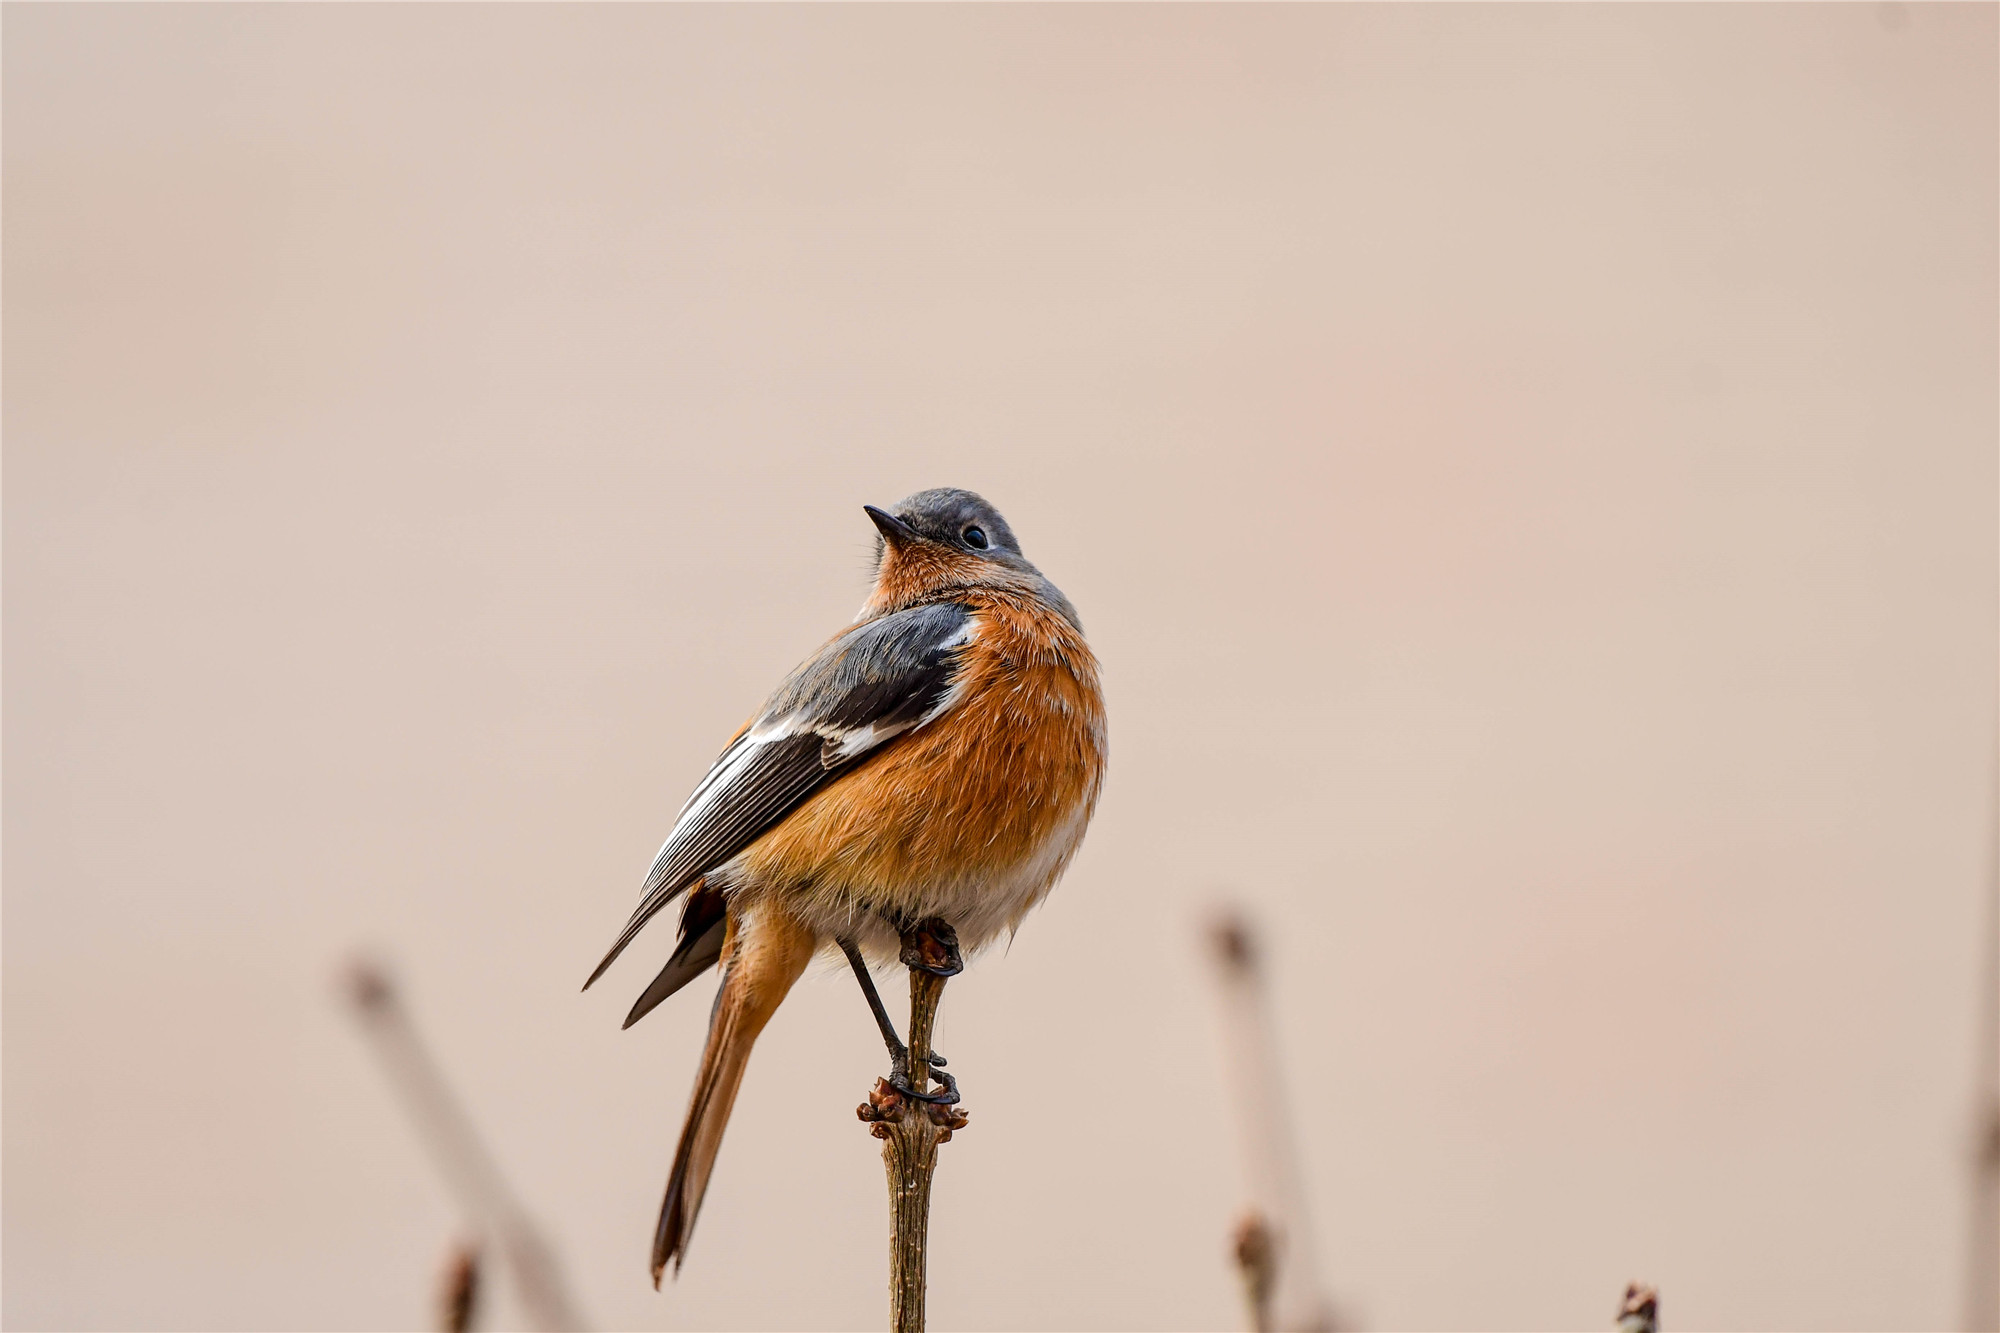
{"points": [[870, 685]]}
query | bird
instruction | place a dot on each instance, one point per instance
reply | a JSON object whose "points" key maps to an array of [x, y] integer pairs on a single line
{"points": [[933, 765]]}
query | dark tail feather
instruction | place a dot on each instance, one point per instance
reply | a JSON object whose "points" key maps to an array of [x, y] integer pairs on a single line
{"points": [[766, 955], [703, 923]]}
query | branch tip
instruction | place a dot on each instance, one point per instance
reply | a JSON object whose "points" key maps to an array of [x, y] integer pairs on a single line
{"points": [[1235, 943], [1640, 1310]]}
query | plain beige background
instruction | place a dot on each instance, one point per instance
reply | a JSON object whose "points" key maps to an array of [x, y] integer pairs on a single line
{"points": [[1529, 473]]}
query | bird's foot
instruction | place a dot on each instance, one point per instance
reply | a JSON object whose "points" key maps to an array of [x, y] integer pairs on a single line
{"points": [[930, 951], [946, 1095], [932, 946], [899, 1080]]}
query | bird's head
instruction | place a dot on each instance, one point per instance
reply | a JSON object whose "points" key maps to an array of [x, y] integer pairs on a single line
{"points": [[939, 540]]}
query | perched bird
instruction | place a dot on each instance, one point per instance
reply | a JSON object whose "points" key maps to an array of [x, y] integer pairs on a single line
{"points": [[935, 761]]}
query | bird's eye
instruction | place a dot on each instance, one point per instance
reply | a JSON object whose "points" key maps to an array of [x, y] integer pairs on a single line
{"points": [[975, 538]]}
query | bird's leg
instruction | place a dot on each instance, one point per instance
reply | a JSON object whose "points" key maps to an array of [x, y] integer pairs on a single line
{"points": [[899, 1054]]}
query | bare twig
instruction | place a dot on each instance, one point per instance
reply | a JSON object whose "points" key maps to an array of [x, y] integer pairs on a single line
{"points": [[1639, 1312], [459, 1299], [464, 1162], [1257, 1263], [1288, 1287], [911, 1131], [1983, 1279], [1982, 1239]]}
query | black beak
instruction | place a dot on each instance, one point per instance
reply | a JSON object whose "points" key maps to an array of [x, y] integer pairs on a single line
{"points": [[893, 529]]}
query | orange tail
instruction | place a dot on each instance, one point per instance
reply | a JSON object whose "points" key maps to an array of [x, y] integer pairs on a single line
{"points": [[763, 956]]}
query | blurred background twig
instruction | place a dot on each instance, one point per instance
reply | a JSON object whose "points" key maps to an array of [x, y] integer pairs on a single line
{"points": [[1274, 1246], [468, 1169], [458, 1301], [1639, 1312], [1982, 1239], [1257, 1264]]}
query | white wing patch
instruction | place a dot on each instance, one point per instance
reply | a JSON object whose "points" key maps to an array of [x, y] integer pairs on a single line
{"points": [[842, 746], [845, 744]]}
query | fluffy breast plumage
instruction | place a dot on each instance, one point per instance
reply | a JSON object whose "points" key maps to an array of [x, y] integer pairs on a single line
{"points": [[972, 817]]}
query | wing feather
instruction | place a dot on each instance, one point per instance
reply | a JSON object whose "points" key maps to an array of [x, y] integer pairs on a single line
{"points": [[868, 686]]}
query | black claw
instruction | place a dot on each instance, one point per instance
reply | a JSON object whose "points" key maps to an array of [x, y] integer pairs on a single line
{"points": [[937, 1060], [946, 1096]]}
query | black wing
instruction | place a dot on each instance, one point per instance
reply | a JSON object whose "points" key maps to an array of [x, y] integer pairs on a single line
{"points": [[864, 689]]}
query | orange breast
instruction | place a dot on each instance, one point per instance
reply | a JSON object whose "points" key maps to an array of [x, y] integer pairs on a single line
{"points": [[972, 803]]}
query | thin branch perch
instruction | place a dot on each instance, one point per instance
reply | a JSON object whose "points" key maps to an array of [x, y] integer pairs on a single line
{"points": [[911, 1129]]}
